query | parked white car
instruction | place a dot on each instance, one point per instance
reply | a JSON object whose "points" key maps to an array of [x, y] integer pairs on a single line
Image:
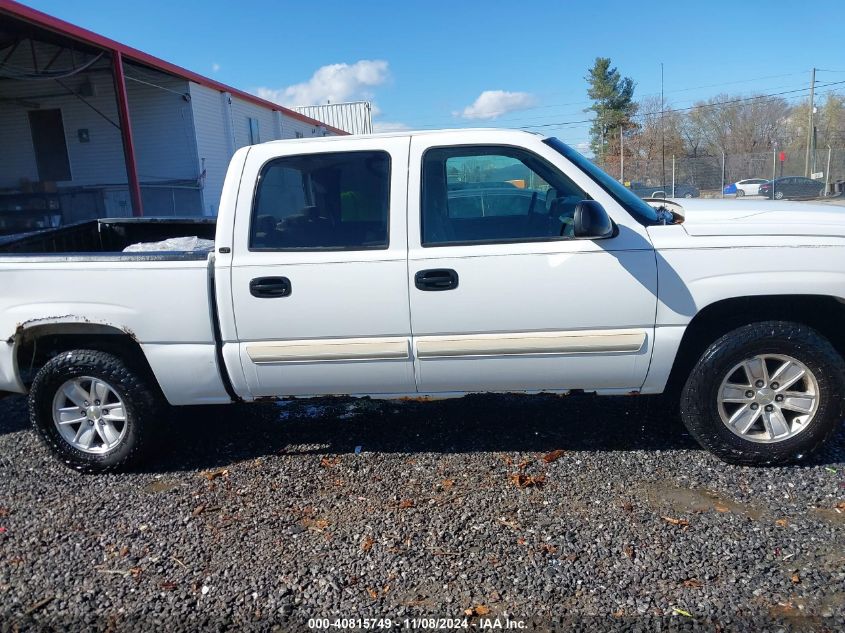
{"points": [[438, 263], [749, 187]]}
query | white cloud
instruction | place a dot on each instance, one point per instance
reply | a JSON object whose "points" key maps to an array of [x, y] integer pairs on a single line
{"points": [[334, 83], [494, 103], [389, 126], [215, 67]]}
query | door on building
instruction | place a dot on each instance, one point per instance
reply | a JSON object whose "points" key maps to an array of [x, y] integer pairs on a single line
{"points": [[503, 297], [49, 144]]}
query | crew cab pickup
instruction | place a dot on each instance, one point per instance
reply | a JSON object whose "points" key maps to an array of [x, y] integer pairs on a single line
{"points": [[436, 263]]}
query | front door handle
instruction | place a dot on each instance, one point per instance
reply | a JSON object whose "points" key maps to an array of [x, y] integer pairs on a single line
{"points": [[436, 279], [270, 287]]}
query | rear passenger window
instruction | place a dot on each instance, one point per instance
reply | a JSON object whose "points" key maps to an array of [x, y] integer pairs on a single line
{"points": [[494, 194], [337, 201]]}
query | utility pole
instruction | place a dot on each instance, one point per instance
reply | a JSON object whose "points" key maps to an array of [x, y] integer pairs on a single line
{"points": [[662, 135], [622, 154], [810, 122]]}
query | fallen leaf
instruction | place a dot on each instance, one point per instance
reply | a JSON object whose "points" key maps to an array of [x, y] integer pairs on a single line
{"points": [[4, 512], [367, 543], [318, 525], [682, 612], [520, 541], [618, 613], [477, 610], [525, 464], [508, 461], [628, 507], [678, 522], [521, 480], [198, 510], [447, 483], [406, 503], [214, 474], [721, 508], [628, 550], [124, 551], [135, 571], [553, 456], [838, 506], [796, 579], [373, 593], [548, 548], [329, 462], [168, 585], [692, 583], [781, 522]]}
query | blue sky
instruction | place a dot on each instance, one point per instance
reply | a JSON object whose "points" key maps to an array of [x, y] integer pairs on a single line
{"points": [[471, 63]]}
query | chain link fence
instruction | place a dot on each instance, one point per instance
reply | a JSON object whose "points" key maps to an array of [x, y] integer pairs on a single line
{"points": [[708, 176]]}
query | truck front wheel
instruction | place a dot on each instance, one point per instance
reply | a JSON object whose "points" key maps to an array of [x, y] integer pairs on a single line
{"points": [[764, 394], [93, 410]]}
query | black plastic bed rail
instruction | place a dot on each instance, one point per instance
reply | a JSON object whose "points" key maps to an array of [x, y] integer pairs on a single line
{"points": [[105, 236]]}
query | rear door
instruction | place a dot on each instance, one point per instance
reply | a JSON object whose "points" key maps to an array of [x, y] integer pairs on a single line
{"points": [[503, 297], [319, 272]]}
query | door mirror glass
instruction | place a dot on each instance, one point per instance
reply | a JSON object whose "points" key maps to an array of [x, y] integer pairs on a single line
{"points": [[591, 221]]}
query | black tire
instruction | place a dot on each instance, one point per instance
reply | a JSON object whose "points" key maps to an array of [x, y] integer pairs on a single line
{"points": [[142, 405], [699, 406], [740, 193]]}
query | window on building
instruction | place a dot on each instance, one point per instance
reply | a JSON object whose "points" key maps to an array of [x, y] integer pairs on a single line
{"points": [[48, 141], [254, 136], [333, 201], [299, 135], [494, 194]]}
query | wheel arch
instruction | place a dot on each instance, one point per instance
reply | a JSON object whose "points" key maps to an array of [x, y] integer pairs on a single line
{"points": [[826, 314], [37, 342]]}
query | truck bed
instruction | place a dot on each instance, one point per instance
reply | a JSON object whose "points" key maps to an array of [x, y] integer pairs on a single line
{"points": [[105, 239]]}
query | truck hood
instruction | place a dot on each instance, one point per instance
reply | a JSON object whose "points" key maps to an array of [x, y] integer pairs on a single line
{"points": [[740, 217]]}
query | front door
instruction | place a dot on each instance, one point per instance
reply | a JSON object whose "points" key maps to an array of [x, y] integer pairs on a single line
{"points": [[503, 296], [319, 270]]}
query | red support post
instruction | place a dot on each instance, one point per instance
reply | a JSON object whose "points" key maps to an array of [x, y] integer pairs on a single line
{"points": [[126, 133]]}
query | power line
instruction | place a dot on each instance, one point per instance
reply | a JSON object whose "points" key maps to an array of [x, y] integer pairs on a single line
{"points": [[693, 107], [520, 119]]}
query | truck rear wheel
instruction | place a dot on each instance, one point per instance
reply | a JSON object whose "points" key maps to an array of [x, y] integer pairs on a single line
{"points": [[93, 410], [764, 394]]}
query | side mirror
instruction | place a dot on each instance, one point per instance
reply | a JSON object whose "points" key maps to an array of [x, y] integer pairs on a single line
{"points": [[591, 221]]}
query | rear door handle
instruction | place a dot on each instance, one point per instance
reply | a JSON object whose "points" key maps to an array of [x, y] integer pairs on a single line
{"points": [[436, 279], [270, 287]]}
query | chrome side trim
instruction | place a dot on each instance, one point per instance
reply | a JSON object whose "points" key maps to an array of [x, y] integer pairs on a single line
{"points": [[527, 343], [345, 349]]}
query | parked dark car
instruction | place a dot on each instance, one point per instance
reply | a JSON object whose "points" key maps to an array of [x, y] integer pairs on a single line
{"points": [[682, 190], [792, 187]]}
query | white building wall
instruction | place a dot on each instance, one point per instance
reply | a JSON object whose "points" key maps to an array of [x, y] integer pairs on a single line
{"points": [[221, 122], [242, 112], [163, 128], [165, 143], [214, 143], [100, 161]]}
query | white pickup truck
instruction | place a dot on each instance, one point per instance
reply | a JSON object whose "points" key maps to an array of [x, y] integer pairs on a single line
{"points": [[438, 263]]}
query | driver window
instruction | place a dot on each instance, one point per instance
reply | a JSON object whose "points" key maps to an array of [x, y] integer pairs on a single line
{"points": [[494, 194]]}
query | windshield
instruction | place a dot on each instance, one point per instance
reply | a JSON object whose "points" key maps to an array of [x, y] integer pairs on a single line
{"points": [[642, 211]]}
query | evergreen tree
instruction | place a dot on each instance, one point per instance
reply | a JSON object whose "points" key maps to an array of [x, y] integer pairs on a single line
{"points": [[613, 104]]}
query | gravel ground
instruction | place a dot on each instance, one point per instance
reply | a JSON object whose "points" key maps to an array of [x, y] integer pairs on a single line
{"points": [[260, 517]]}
